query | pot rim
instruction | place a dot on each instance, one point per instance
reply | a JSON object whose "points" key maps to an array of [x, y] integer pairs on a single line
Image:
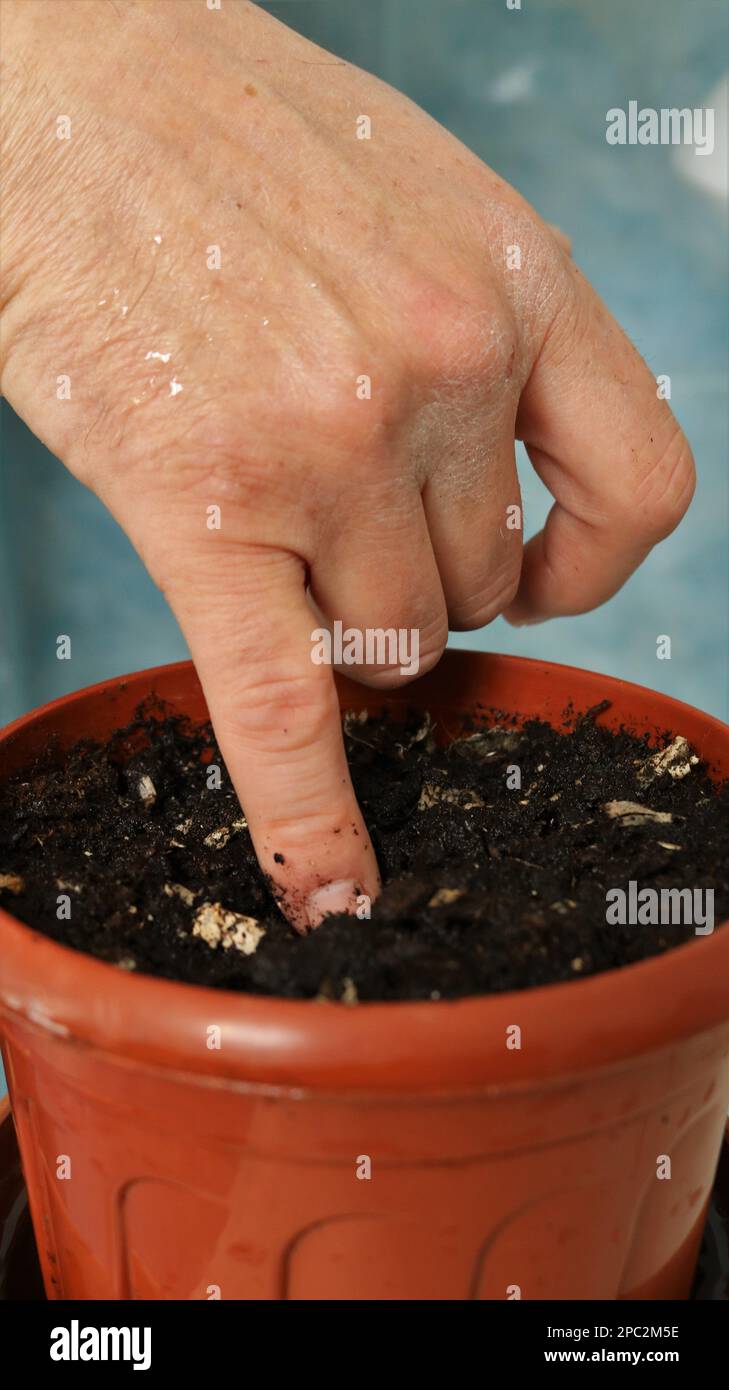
{"points": [[420, 1045]]}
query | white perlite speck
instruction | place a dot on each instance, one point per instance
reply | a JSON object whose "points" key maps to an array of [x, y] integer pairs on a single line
{"points": [[431, 793], [676, 760], [219, 927], [631, 813], [443, 896], [178, 890], [146, 790], [217, 839]]}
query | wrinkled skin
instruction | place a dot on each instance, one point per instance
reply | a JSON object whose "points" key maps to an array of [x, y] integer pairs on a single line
{"points": [[340, 257]]}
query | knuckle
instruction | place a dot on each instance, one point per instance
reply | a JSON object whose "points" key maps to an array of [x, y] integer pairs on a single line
{"points": [[384, 677], [413, 659], [665, 492], [279, 712], [430, 655], [492, 348], [569, 322], [478, 609], [432, 641], [308, 823], [460, 338], [433, 632]]}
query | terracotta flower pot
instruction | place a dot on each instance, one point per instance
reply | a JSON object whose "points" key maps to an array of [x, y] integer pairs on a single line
{"points": [[493, 1171]]}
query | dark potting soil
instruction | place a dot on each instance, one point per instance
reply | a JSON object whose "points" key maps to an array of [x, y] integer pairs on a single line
{"points": [[489, 885]]}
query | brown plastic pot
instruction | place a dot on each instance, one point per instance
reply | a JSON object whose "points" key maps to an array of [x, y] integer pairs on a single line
{"points": [[235, 1171]]}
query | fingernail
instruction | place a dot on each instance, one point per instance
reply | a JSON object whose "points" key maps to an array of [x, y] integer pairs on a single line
{"points": [[340, 896]]}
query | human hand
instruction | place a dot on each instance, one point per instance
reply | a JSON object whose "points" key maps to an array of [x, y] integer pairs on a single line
{"points": [[242, 386]]}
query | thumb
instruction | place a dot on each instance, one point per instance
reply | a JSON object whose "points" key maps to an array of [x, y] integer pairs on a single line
{"points": [[277, 720]]}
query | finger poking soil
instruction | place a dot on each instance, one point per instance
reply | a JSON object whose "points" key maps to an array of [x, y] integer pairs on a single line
{"points": [[488, 886]]}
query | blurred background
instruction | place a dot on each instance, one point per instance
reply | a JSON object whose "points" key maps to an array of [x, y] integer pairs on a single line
{"points": [[528, 91]]}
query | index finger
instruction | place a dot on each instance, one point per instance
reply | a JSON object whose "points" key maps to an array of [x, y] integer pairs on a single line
{"points": [[277, 721]]}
